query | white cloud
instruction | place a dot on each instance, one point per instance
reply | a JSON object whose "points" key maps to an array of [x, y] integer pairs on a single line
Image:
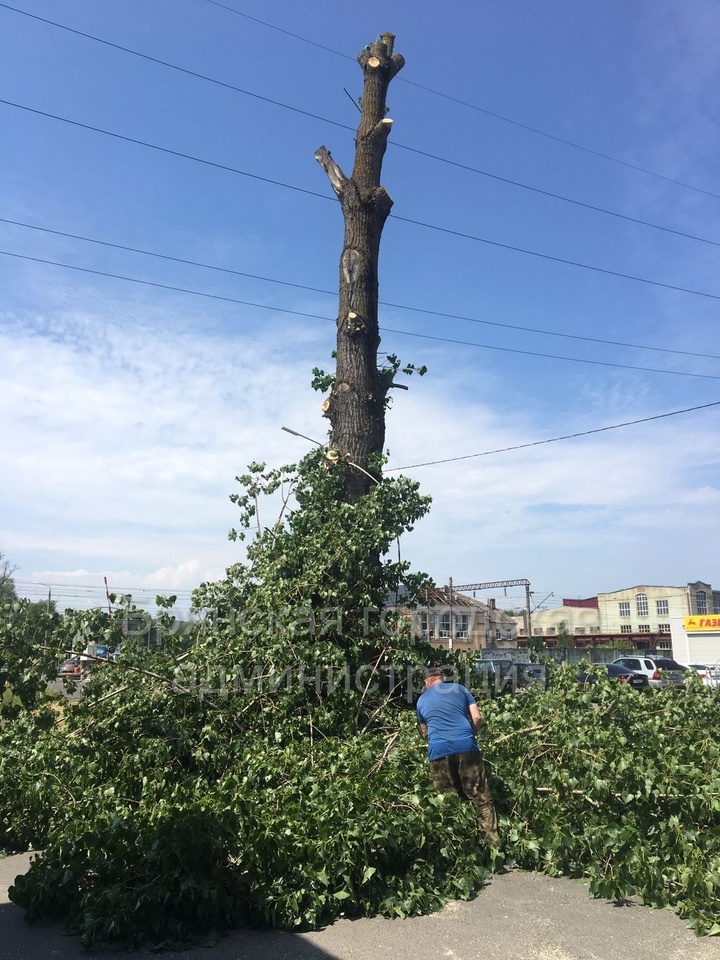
{"points": [[122, 443]]}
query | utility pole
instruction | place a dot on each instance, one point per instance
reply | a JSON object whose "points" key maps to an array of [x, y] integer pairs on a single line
{"points": [[490, 585], [356, 404], [529, 610], [49, 595]]}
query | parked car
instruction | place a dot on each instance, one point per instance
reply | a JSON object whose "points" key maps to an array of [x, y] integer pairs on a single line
{"points": [[70, 668], [671, 669], [708, 675], [505, 676], [672, 672], [93, 653], [638, 681], [532, 675]]}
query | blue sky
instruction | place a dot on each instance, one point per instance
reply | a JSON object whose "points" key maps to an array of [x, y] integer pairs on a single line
{"points": [[129, 409]]}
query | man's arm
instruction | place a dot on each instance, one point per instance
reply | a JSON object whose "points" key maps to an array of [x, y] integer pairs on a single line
{"points": [[423, 729], [475, 717]]}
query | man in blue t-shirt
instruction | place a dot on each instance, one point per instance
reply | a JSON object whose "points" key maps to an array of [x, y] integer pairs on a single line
{"points": [[449, 718]]}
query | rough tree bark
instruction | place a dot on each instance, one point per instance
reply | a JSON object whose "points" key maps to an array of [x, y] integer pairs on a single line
{"points": [[356, 405]]}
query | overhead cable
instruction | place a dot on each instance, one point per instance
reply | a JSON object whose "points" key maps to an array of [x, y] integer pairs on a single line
{"points": [[392, 143], [483, 110], [548, 256], [384, 329], [333, 293], [168, 150], [568, 436], [174, 66], [322, 196]]}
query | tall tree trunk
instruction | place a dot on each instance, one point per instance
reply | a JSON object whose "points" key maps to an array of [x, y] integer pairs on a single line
{"points": [[356, 406]]}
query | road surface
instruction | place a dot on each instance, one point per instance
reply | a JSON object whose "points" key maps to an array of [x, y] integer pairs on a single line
{"points": [[519, 916]]}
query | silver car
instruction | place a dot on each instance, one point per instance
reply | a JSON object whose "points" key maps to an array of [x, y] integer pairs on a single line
{"points": [[660, 671], [672, 670]]}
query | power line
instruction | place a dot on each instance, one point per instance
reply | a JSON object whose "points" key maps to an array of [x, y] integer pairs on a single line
{"points": [[548, 356], [287, 33], [393, 143], [186, 262], [569, 436], [549, 333], [558, 196], [384, 329], [174, 66], [483, 110], [100, 587], [95, 595], [165, 286], [333, 293], [563, 140], [548, 256], [322, 196], [174, 153]]}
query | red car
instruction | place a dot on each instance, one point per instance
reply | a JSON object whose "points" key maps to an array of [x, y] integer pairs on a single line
{"points": [[71, 668]]}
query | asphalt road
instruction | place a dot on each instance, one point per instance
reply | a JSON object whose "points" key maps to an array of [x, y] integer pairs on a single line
{"points": [[519, 916]]}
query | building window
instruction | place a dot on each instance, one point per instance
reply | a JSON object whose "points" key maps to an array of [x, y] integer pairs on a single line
{"points": [[461, 626], [444, 626], [644, 628], [664, 645], [579, 629], [701, 601], [425, 624], [661, 607], [624, 608], [663, 628], [641, 604], [550, 631], [498, 634], [625, 628], [716, 604]]}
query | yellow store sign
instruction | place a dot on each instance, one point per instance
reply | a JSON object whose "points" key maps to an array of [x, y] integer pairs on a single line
{"points": [[702, 624]]}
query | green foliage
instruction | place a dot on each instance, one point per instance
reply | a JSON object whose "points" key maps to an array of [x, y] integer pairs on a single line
{"points": [[393, 364], [28, 654], [288, 835], [8, 592], [614, 785], [535, 647], [387, 372], [322, 381], [248, 769], [262, 765], [564, 639], [30, 790]]}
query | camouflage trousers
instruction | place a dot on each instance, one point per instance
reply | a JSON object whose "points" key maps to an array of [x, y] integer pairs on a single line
{"points": [[465, 774]]}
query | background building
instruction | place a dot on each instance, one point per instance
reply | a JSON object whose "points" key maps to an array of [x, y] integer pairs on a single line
{"points": [[451, 621], [696, 639], [647, 610], [639, 616]]}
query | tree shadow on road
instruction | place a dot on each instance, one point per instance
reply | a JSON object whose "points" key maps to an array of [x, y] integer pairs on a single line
{"points": [[47, 939]]}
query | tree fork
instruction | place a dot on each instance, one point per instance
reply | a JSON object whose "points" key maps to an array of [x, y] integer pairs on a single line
{"points": [[356, 405]]}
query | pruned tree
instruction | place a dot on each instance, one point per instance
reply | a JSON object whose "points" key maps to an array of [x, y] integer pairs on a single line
{"points": [[356, 405]]}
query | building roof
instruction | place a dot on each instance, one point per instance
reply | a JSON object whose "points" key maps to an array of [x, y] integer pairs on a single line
{"points": [[589, 602], [440, 596]]}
